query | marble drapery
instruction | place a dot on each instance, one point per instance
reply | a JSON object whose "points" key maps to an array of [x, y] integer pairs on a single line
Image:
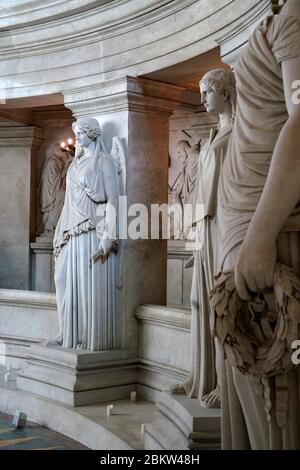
{"points": [[85, 289], [261, 115], [202, 379]]}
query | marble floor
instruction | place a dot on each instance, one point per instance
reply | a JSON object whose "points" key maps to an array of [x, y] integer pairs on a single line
{"points": [[33, 437], [89, 425]]}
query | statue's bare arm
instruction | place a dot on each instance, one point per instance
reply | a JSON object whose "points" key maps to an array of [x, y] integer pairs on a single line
{"points": [[257, 256]]}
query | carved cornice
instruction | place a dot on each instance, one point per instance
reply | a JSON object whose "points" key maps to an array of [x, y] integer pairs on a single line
{"points": [[30, 12], [133, 37], [21, 136], [125, 94], [169, 317], [232, 42], [108, 19], [27, 299]]}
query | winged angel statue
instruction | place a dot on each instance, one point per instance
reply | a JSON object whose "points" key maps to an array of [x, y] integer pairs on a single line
{"points": [[86, 243]]}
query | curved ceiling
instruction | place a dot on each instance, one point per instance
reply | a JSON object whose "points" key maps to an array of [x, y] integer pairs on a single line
{"points": [[50, 49]]}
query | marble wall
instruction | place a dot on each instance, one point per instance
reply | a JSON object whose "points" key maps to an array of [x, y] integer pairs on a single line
{"points": [[18, 152]]}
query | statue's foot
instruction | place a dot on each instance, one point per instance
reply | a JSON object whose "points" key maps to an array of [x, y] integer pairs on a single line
{"points": [[212, 399], [81, 345], [181, 389], [54, 342]]}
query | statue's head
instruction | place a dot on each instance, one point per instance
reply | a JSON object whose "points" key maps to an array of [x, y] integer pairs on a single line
{"points": [[182, 149], [218, 88], [86, 130]]}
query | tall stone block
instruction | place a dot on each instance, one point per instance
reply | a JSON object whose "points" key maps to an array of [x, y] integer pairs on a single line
{"points": [[18, 148]]}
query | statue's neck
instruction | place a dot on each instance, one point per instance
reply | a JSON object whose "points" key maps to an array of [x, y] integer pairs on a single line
{"points": [[224, 119], [90, 150]]}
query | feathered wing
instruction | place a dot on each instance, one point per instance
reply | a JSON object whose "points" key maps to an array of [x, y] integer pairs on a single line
{"points": [[118, 156]]}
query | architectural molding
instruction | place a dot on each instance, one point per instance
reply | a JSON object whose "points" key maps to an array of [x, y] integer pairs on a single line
{"points": [[124, 94], [25, 299], [168, 317], [135, 38], [30, 136], [233, 41]]}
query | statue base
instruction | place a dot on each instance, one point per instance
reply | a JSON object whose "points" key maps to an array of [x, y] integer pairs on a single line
{"points": [[183, 424], [79, 377]]}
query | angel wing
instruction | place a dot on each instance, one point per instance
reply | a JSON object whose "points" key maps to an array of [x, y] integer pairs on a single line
{"points": [[118, 155]]}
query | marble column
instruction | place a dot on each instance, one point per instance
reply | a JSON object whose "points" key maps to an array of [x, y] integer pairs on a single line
{"points": [[18, 152]]}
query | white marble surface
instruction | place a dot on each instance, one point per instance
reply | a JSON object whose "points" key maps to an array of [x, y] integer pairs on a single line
{"points": [[17, 179], [162, 362], [179, 279], [183, 424], [88, 425], [42, 277], [118, 38]]}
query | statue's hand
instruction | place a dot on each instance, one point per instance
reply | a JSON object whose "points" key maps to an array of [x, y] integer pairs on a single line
{"points": [[254, 269], [106, 245]]}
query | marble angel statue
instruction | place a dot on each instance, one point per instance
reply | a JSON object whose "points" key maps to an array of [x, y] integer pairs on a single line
{"points": [[86, 243]]}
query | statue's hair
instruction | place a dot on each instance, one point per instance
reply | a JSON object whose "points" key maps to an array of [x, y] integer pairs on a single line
{"points": [[221, 80], [184, 146], [90, 126], [277, 5]]}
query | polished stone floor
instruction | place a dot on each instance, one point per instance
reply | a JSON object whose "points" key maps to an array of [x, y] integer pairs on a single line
{"points": [[33, 437], [87, 424]]}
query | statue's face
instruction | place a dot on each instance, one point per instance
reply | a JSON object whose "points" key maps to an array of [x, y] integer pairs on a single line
{"points": [[181, 155], [82, 138], [212, 101]]}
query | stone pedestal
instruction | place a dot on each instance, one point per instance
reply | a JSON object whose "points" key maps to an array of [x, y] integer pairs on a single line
{"points": [[183, 424], [42, 265], [179, 279], [78, 377]]}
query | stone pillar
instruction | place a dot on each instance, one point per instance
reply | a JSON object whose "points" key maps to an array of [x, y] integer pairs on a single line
{"points": [[18, 151], [138, 111]]}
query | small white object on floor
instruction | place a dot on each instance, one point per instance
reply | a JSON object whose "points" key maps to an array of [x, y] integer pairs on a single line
{"points": [[133, 396], [6, 376], [109, 410]]}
